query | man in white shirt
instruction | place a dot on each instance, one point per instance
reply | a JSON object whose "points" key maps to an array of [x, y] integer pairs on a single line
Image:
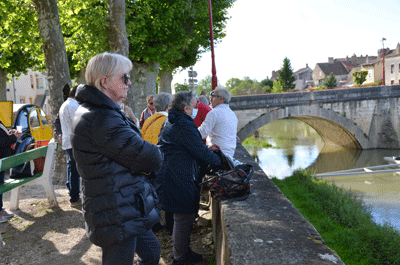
{"points": [[220, 125], [66, 113]]}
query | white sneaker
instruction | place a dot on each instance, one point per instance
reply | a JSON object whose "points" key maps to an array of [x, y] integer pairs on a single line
{"points": [[5, 214]]}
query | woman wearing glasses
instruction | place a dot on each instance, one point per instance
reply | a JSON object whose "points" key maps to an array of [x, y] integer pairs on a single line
{"points": [[114, 161], [183, 150]]}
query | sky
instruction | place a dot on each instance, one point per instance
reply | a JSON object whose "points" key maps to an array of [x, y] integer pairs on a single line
{"points": [[261, 33]]}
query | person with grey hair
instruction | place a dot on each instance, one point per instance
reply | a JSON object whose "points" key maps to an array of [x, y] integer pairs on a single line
{"points": [[119, 203], [152, 126], [203, 99], [162, 101], [183, 149], [220, 125]]}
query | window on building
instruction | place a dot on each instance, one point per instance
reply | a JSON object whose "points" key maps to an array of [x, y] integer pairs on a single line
{"points": [[32, 81], [392, 68], [39, 83], [31, 100], [392, 82], [22, 100]]}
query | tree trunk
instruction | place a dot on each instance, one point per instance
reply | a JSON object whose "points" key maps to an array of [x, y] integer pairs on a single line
{"points": [[164, 84], [3, 85], [56, 65], [118, 38], [144, 81]]}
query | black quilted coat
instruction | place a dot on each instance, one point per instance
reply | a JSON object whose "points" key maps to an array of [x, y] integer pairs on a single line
{"points": [[113, 160]]}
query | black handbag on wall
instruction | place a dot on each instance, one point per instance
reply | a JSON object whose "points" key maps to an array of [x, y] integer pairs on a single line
{"points": [[234, 183]]}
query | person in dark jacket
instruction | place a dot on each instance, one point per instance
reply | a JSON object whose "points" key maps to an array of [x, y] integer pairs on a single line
{"points": [[183, 148], [7, 138], [113, 162]]}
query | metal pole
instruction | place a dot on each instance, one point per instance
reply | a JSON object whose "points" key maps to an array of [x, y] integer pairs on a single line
{"points": [[214, 71], [383, 60], [15, 99]]}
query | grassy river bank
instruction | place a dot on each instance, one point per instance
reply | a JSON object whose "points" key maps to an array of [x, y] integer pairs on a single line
{"points": [[343, 220]]}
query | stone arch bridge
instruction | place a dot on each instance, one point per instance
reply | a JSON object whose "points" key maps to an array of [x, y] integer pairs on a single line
{"points": [[361, 118]]}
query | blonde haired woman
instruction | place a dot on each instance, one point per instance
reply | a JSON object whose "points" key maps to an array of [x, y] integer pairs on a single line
{"points": [[114, 161]]}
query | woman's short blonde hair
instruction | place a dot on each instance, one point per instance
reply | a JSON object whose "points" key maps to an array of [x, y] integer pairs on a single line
{"points": [[106, 64]]}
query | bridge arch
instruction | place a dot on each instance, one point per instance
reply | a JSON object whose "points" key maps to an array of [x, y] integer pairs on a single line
{"points": [[331, 126]]}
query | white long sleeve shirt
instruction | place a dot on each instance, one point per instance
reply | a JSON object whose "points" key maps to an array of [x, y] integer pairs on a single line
{"points": [[220, 127], [67, 112]]}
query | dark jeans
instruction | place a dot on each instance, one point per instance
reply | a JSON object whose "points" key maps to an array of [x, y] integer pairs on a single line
{"points": [[1, 195], [183, 225], [73, 178], [169, 222], [146, 246]]}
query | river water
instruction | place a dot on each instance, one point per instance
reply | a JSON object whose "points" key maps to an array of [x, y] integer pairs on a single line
{"points": [[297, 146]]}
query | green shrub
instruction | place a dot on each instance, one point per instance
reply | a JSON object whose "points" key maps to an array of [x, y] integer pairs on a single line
{"points": [[253, 142]]}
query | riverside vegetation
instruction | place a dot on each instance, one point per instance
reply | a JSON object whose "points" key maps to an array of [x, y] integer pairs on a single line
{"points": [[343, 220], [255, 142]]}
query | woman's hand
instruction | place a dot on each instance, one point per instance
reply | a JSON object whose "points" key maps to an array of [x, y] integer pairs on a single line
{"points": [[15, 132], [213, 147]]}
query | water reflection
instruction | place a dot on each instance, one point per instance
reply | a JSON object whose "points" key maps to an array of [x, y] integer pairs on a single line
{"points": [[280, 163], [298, 146], [381, 191]]}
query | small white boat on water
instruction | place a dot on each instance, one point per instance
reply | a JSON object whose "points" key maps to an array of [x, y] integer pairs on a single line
{"points": [[392, 159], [390, 168]]}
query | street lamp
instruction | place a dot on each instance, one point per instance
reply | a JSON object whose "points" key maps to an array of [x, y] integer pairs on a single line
{"points": [[383, 59], [214, 71]]}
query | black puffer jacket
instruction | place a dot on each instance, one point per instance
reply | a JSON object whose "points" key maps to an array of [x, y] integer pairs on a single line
{"points": [[112, 159], [183, 148]]}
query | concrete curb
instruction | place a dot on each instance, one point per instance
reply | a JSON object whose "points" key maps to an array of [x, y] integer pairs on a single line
{"points": [[265, 228]]}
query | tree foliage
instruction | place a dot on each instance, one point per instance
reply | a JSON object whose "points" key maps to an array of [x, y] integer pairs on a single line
{"points": [[267, 82], [277, 86], [246, 86], [181, 87], [85, 25], [286, 76], [204, 84], [359, 77], [330, 81], [172, 33], [20, 46]]}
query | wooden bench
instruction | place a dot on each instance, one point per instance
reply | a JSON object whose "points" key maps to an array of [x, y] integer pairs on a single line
{"points": [[44, 178]]}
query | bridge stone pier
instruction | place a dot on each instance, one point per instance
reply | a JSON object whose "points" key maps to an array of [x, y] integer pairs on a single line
{"points": [[361, 118]]}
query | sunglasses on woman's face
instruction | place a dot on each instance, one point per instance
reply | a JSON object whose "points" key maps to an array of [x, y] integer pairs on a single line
{"points": [[126, 78], [212, 94]]}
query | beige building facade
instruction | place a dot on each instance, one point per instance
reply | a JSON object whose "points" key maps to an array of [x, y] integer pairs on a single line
{"points": [[30, 88], [392, 67]]}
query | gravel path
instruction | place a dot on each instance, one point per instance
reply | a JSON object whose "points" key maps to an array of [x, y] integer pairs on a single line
{"points": [[38, 234]]}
